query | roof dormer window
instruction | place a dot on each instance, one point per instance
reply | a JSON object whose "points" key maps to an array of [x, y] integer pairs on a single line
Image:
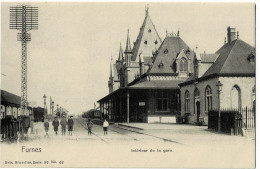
{"points": [[160, 65], [149, 30], [145, 42], [251, 58], [165, 51], [156, 42], [187, 51]]}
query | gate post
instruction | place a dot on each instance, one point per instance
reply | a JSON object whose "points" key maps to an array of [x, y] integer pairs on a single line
{"points": [[246, 117]]}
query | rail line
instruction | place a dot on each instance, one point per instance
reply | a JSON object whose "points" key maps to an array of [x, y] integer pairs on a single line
{"points": [[141, 133], [92, 132], [164, 139], [135, 139]]}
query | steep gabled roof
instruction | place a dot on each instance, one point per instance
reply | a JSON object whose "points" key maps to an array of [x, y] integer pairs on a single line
{"points": [[147, 40], [173, 45], [233, 59]]}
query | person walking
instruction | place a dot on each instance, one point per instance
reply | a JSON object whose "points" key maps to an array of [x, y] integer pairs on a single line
{"points": [[105, 126], [46, 126], [55, 124], [70, 125], [90, 125], [63, 124]]}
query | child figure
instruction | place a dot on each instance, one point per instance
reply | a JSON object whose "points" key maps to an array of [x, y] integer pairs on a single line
{"points": [[46, 126]]}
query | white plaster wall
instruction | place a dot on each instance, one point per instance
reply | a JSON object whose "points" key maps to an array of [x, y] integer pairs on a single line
{"points": [[246, 85], [201, 86], [161, 119]]}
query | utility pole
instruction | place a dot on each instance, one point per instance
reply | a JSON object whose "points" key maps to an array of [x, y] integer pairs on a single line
{"points": [[24, 18]]}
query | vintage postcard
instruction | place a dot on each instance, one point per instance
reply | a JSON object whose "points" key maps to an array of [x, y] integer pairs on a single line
{"points": [[127, 84]]}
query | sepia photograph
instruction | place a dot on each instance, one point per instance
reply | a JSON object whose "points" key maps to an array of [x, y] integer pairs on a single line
{"points": [[128, 84]]}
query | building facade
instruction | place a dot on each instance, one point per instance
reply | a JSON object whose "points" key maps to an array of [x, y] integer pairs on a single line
{"points": [[127, 67], [148, 83], [233, 65]]}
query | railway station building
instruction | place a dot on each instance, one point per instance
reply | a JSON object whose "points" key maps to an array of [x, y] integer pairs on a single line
{"points": [[143, 82], [232, 66]]}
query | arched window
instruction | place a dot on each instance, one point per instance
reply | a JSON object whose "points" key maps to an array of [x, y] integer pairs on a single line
{"points": [[196, 100], [187, 101], [196, 93], [183, 65], [236, 97], [208, 99]]}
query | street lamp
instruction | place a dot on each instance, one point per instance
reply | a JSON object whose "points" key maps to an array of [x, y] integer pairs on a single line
{"points": [[60, 111], [52, 107], [57, 110], [219, 87], [44, 98]]}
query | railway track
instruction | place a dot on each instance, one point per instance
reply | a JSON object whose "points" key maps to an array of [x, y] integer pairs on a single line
{"points": [[137, 132], [109, 130], [92, 132]]}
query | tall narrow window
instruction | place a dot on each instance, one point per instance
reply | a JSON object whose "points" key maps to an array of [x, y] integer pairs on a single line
{"points": [[196, 93], [208, 97], [187, 102], [236, 97], [162, 100], [183, 65], [196, 101]]}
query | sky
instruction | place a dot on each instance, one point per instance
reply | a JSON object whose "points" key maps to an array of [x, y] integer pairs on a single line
{"points": [[69, 55]]}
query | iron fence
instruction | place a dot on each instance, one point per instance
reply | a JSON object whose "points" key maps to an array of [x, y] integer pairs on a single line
{"points": [[232, 120]]}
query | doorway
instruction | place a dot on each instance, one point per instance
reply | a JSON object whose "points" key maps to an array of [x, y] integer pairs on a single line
{"points": [[198, 111]]}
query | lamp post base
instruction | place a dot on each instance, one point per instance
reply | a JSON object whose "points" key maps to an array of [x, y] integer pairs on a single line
{"points": [[219, 127]]}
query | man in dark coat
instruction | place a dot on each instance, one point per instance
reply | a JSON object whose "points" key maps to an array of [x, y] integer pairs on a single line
{"points": [[55, 124], [70, 125], [63, 124]]}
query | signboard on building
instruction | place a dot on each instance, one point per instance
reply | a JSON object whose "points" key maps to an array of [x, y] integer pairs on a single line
{"points": [[141, 103]]}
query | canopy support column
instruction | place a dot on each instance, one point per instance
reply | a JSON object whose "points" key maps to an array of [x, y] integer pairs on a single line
{"points": [[127, 106]]}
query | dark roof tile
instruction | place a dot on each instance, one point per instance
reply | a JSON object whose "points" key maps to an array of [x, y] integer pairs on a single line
{"points": [[233, 59]]}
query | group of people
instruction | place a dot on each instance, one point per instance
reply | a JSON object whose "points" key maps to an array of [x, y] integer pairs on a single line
{"points": [[63, 122]]}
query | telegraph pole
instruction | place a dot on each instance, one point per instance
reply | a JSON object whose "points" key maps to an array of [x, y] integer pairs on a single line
{"points": [[24, 18]]}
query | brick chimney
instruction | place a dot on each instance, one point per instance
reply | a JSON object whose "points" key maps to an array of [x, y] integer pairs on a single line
{"points": [[231, 34]]}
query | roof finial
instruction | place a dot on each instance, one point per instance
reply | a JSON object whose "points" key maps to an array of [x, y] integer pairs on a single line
{"points": [[120, 55], [237, 34], [196, 47], [178, 33], [225, 40], [111, 63], [128, 45], [146, 9]]}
